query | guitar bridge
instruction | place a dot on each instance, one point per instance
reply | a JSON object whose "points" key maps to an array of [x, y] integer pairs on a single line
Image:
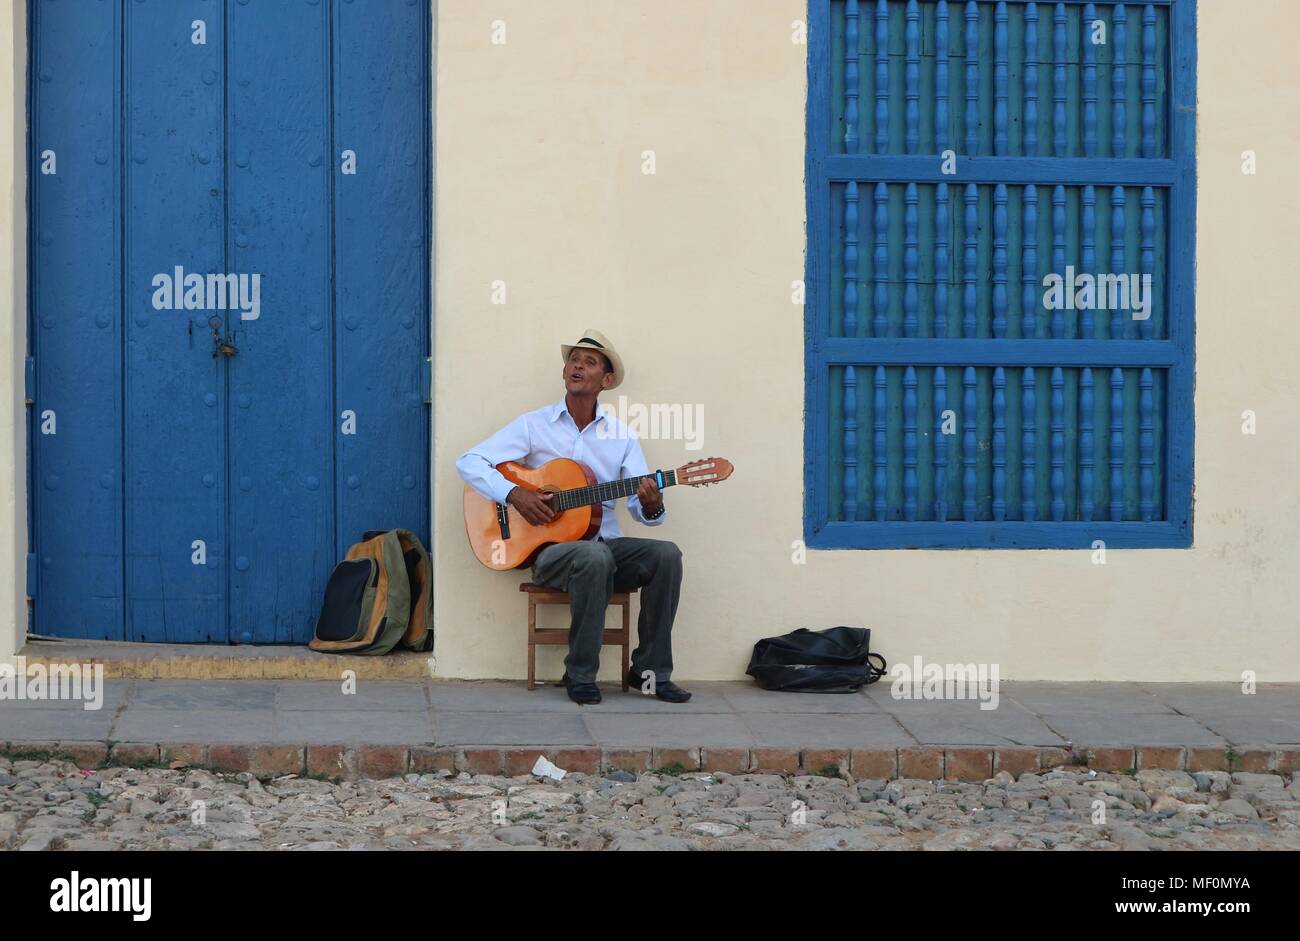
{"points": [[503, 521]]}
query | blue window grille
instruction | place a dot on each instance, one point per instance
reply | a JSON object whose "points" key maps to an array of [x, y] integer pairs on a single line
{"points": [[958, 155]]}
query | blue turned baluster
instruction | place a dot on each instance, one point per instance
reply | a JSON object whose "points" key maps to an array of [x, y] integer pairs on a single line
{"points": [[1118, 226], [912, 77], [999, 445], [1058, 258], [1058, 444], [1149, 146], [940, 445], [1089, 82], [1001, 77], [880, 324], [879, 448], [1087, 447], [882, 77], [942, 277], [909, 443], [1029, 447], [942, 45], [1059, 82], [911, 291], [972, 79], [1146, 448], [1089, 260], [1119, 82], [1117, 444], [1031, 148], [1148, 326], [970, 297], [851, 77], [968, 446], [850, 444], [1000, 261], [1030, 298]]}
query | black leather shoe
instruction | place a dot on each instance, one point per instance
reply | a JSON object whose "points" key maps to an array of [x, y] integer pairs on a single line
{"points": [[584, 694], [664, 689]]}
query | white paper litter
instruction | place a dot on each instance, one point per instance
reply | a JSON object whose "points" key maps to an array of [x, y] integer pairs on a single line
{"points": [[544, 769]]}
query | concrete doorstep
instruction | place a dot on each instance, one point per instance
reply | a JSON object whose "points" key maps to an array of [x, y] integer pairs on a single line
{"points": [[386, 729]]}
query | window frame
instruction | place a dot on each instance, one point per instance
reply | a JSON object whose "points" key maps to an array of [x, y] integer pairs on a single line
{"points": [[1176, 173]]}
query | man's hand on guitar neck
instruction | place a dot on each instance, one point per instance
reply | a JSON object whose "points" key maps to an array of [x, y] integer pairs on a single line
{"points": [[536, 507], [652, 500], [533, 507]]}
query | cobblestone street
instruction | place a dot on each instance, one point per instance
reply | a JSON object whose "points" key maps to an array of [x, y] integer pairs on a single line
{"points": [[50, 804]]}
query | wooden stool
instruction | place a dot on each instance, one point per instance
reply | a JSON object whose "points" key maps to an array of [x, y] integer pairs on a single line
{"points": [[540, 594]]}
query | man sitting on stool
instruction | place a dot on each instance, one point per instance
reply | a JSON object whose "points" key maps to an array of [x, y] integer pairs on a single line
{"points": [[592, 570]]}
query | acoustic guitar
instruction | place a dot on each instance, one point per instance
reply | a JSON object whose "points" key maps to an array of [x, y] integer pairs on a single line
{"points": [[502, 539]]}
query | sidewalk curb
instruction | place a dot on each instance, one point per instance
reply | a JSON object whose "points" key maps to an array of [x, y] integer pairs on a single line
{"points": [[929, 762], [139, 661]]}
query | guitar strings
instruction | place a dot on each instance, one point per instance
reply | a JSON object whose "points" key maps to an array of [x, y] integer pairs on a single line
{"points": [[610, 490]]}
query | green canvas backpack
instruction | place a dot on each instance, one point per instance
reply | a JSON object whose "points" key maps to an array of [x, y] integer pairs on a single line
{"points": [[379, 597]]}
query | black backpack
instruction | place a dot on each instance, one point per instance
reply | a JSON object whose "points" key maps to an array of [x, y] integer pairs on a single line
{"points": [[836, 660]]}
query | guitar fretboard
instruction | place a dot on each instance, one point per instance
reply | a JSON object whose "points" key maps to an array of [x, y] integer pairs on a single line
{"points": [[612, 490]]}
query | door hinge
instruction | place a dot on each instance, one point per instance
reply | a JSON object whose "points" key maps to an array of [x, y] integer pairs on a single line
{"points": [[31, 575], [426, 378], [29, 381]]}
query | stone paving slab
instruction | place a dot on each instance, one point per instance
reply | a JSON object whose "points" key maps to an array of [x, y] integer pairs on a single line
{"points": [[1133, 729], [992, 728], [369, 696], [1254, 729], [153, 724], [188, 695], [499, 697], [112, 695], [705, 700], [1227, 699], [400, 727], [66, 722], [1086, 699], [510, 728], [745, 699], [639, 729], [826, 731], [968, 709]]}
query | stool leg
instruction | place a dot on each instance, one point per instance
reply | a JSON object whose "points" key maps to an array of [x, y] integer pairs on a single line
{"points": [[532, 644], [627, 643]]}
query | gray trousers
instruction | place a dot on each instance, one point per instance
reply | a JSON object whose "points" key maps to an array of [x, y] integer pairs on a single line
{"points": [[591, 571]]}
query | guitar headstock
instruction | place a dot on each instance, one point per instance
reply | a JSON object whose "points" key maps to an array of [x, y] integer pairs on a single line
{"points": [[711, 470]]}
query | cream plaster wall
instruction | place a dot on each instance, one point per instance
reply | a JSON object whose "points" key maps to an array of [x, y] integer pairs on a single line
{"points": [[540, 185], [13, 326]]}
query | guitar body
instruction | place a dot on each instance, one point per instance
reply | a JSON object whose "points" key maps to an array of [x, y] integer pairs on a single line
{"points": [[524, 540]]}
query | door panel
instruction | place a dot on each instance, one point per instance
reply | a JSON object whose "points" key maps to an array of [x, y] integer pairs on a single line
{"points": [[76, 419], [281, 434], [193, 498], [381, 281], [175, 389]]}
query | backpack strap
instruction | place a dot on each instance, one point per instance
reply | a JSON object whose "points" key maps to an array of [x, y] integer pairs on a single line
{"points": [[419, 628]]}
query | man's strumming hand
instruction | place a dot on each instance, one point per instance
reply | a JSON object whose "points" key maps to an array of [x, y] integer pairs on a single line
{"points": [[533, 507]]}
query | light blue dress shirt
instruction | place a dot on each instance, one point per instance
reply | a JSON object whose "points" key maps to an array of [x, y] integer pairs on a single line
{"points": [[606, 445]]}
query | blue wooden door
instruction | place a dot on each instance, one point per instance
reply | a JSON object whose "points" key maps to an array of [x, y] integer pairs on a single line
{"points": [[229, 306]]}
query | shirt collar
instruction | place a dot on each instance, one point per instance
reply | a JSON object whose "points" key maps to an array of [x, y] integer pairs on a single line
{"points": [[560, 408]]}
